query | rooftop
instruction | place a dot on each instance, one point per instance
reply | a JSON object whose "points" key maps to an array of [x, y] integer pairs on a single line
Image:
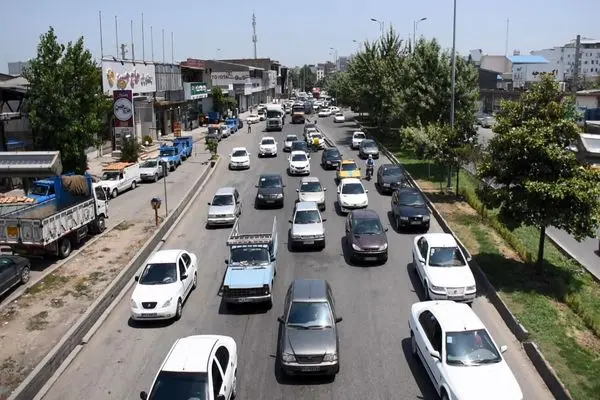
{"points": [[454, 317], [528, 59], [190, 354], [440, 240], [164, 256]]}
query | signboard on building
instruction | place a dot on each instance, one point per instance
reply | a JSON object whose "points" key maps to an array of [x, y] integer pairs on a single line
{"points": [[138, 78], [239, 88], [227, 78], [271, 79], [195, 90], [123, 112]]}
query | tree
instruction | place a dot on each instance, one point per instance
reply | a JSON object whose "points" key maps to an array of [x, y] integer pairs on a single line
{"points": [[221, 101], [130, 150], [303, 78], [67, 109], [537, 179]]}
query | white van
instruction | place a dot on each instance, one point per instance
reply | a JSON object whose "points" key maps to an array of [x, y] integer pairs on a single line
{"points": [[118, 177]]}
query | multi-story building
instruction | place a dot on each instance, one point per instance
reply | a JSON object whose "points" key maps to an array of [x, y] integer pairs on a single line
{"points": [[562, 59], [320, 71], [343, 63], [16, 68], [270, 76]]}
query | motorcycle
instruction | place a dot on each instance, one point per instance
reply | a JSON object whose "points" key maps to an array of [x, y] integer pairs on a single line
{"points": [[369, 172]]}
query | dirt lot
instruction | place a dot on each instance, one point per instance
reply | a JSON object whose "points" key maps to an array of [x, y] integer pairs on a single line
{"points": [[33, 324]]}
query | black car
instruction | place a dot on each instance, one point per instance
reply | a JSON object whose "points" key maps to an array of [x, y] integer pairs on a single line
{"points": [[409, 209], [391, 177], [270, 191], [331, 158], [14, 270], [299, 146]]}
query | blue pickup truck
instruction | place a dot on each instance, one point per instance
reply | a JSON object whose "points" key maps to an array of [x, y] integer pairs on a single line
{"points": [[232, 124], [251, 266], [186, 145], [171, 155]]}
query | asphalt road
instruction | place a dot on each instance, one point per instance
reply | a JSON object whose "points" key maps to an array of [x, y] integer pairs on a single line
{"points": [[121, 359]]}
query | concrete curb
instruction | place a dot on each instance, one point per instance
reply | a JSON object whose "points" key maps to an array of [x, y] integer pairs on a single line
{"points": [[542, 366], [53, 361], [16, 295]]}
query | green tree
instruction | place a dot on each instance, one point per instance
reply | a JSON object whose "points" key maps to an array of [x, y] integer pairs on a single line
{"points": [[130, 150], [537, 180], [67, 109], [221, 101], [303, 78]]}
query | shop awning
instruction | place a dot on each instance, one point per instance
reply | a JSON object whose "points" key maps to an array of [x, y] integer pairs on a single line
{"points": [[29, 164]]}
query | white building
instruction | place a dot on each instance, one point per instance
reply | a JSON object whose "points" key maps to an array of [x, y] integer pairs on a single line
{"points": [[528, 69], [320, 71], [562, 59]]}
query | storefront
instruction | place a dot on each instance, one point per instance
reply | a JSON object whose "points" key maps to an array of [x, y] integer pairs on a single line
{"points": [[195, 94], [169, 101]]}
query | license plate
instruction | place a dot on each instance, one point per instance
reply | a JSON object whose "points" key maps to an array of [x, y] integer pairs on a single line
{"points": [[415, 222], [243, 300], [310, 369], [455, 293], [12, 231], [386, 185], [370, 258], [309, 242], [270, 201], [149, 315]]}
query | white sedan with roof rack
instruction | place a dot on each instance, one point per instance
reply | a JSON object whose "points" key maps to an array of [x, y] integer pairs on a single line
{"points": [[164, 284]]}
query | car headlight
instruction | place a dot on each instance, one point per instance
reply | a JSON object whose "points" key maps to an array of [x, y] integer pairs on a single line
{"points": [[355, 247], [329, 357], [426, 217], [383, 247], [132, 303], [328, 162], [260, 196], [437, 289], [471, 288], [279, 195], [287, 357], [167, 303]]}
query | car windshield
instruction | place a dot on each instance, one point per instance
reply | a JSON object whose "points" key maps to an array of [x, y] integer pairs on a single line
{"points": [[411, 199], [149, 164], [180, 386], [168, 152], [307, 217], [367, 226], [311, 187], [339, 115], [249, 255], [291, 138], [223, 200], [349, 167], [299, 157], [394, 171], [359, 136], [239, 153], [39, 190], [299, 146], [159, 274], [267, 141], [446, 257], [353, 188], [269, 182], [310, 315], [368, 143], [111, 176], [316, 135], [332, 154], [471, 348]]}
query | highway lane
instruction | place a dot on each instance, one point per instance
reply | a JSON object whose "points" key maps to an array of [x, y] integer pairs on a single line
{"points": [[121, 360]]}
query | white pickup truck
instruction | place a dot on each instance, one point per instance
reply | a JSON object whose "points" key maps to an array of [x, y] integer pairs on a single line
{"points": [[119, 177]]}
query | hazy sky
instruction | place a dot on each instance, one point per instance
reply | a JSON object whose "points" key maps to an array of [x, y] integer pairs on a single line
{"points": [[293, 32]]}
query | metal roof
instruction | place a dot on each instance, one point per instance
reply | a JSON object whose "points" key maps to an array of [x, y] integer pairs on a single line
{"points": [[27, 164], [528, 59], [590, 142]]}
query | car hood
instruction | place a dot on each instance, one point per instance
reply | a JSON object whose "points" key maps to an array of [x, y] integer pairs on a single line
{"points": [[267, 146], [219, 210], [451, 276], [317, 197], [288, 143], [310, 341], [109, 184], [353, 198], [307, 229], [238, 277], [158, 293], [350, 174], [370, 150], [297, 164], [370, 241], [413, 211], [474, 383], [267, 191], [240, 159], [148, 171]]}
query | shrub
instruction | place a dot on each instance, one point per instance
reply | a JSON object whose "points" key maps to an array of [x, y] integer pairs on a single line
{"points": [[130, 150], [147, 139]]}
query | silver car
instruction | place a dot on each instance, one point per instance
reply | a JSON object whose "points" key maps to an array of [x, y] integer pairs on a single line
{"points": [[289, 139], [311, 190], [368, 147], [309, 343], [225, 207], [307, 226]]}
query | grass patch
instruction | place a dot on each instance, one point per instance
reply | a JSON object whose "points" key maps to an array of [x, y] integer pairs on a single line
{"points": [[50, 282], [561, 308], [81, 288], [38, 322], [123, 226]]}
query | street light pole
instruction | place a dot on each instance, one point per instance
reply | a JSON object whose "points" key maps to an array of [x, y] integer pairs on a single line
{"points": [[453, 87], [415, 24], [381, 25]]}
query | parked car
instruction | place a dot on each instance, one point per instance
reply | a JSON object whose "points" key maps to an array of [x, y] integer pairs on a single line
{"points": [[225, 207], [368, 147], [14, 270], [299, 145], [309, 342], [210, 374], [307, 226], [391, 177], [409, 209], [311, 190], [347, 169], [366, 238], [270, 191], [267, 147], [442, 268], [287, 144], [357, 138], [164, 284], [239, 158], [151, 170], [331, 158], [351, 194], [298, 163], [459, 354]]}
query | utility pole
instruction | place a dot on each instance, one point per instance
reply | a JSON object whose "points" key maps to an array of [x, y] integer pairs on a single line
{"points": [[506, 42], [576, 66], [453, 88], [254, 36]]}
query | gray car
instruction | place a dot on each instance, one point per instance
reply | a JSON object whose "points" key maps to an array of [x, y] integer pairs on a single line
{"points": [[14, 270], [225, 207], [309, 342], [368, 147]]}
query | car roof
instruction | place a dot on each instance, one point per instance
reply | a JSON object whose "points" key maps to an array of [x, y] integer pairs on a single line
{"points": [[238, 148], [225, 190], [309, 179], [355, 132], [348, 162], [452, 316], [164, 256], [365, 214], [346, 181], [297, 152], [191, 354], [290, 135], [440, 240], [306, 206], [309, 290]]}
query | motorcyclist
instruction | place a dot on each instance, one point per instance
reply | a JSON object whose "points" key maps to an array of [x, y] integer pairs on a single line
{"points": [[370, 165]]}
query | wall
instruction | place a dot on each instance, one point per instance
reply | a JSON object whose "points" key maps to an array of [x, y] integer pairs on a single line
{"points": [[499, 64], [588, 101], [527, 73], [168, 78]]}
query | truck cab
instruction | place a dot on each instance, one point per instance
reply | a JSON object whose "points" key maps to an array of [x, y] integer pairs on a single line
{"points": [[42, 190], [275, 117], [186, 145], [251, 266], [171, 155], [232, 124]]}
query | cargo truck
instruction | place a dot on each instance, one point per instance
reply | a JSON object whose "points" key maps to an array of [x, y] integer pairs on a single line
{"points": [[275, 117], [55, 226], [298, 116]]}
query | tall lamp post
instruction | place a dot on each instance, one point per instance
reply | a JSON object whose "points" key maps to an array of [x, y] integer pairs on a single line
{"points": [[415, 25], [381, 25], [453, 86]]}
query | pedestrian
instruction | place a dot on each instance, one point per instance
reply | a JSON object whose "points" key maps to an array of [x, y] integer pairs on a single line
{"points": [[249, 128]]}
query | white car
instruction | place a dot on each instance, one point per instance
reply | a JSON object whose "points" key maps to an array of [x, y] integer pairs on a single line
{"points": [[325, 112], [309, 132], [311, 190], [164, 284], [252, 119], [351, 195], [239, 158], [339, 117], [299, 163], [443, 268], [287, 144], [201, 367], [267, 147], [335, 109], [357, 138], [459, 355]]}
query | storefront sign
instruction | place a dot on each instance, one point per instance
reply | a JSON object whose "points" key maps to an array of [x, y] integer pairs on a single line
{"points": [[195, 90], [123, 108], [239, 89], [138, 78], [225, 78]]}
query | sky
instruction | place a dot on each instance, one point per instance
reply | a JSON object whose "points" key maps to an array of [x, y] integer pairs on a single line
{"points": [[294, 33]]}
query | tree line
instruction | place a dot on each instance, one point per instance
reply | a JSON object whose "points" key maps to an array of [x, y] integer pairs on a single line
{"points": [[538, 181]]}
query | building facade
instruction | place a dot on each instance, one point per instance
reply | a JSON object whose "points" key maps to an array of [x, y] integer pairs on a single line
{"points": [[16, 68], [562, 59], [270, 77]]}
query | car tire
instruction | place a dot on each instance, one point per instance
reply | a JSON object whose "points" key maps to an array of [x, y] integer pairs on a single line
{"points": [[155, 178], [133, 185], [195, 282], [64, 247], [100, 224], [179, 310], [25, 274], [114, 193], [413, 345]]}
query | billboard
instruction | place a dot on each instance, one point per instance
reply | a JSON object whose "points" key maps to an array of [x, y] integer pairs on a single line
{"points": [[137, 77], [123, 112]]}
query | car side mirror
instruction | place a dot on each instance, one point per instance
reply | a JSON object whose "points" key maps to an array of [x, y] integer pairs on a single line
{"points": [[283, 185], [339, 319], [290, 221], [436, 355], [226, 261], [183, 276], [324, 219], [503, 348], [297, 190], [208, 203], [280, 320], [143, 395], [255, 186], [137, 278], [324, 189], [469, 258], [366, 190], [386, 229]]}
